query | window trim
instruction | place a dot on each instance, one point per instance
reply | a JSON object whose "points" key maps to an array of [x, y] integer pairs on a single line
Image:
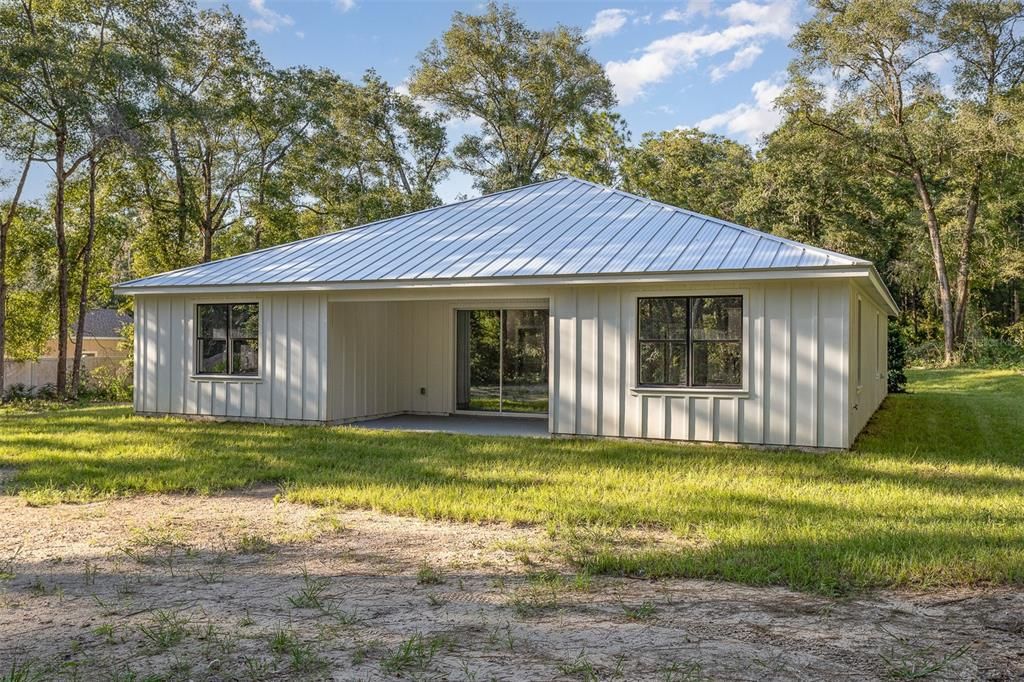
{"points": [[195, 374], [713, 389]]}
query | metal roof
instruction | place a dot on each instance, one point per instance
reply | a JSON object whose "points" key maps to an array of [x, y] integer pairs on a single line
{"points": [[563, 227]]}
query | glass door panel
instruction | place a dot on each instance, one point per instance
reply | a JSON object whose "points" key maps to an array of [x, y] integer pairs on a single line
{"points": [[480, 360], [502, 363], [524, 375]]}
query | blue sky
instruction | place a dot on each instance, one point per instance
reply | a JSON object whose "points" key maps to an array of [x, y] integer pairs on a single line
{"points": [[715, 65]]}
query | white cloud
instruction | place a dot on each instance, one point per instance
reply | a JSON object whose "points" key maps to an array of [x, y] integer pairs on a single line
{"points": [[345, 5], [301, 35], [742, 58], [607, 22], [748, 121], [267, 20], [747, 23], [693, 8]]}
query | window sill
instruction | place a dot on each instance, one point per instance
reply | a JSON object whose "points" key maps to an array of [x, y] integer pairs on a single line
{"points": [[225, 377], [738, 392]]}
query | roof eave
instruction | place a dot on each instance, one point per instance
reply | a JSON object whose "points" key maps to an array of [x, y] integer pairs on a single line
{"points": [[805, 272]]}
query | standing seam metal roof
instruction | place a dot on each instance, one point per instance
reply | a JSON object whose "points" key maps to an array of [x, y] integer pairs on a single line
{"points": [[559, 227]]}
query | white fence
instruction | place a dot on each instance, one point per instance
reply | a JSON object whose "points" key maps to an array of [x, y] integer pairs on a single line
{"points": [[44, 370]]}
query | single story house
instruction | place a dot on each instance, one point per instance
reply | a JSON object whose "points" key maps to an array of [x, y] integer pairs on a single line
{"points": [[606, 313]]}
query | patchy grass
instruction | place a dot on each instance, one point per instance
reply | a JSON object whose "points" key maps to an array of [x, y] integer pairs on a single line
{"points": [[931, 496]]}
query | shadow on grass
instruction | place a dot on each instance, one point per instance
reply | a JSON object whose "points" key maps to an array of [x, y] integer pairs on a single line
{"points": [[933, 492]]}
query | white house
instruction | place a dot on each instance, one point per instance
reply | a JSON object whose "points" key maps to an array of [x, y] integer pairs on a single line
{"points": [[608, 313]]}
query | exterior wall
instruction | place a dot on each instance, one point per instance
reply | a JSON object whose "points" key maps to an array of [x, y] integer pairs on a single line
{"points": [[292, 385], [101, 347], [795, 375], [871, 348], [389, 356], [339, 357]]}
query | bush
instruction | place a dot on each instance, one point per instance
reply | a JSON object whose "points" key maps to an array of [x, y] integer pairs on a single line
{"points": [[110, 384], [897, 359]]}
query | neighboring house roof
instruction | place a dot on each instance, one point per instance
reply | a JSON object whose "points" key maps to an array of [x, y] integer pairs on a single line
{"points": [[104, 323], [560, 228]]}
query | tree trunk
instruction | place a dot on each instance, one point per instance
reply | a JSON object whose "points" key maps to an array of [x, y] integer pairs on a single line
{"points": [[1015, 298], [62, 264], [964, 257], [939, 261], [83, 292], [5, 229]]}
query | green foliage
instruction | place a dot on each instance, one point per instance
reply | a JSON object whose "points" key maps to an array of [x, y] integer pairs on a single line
{"points": [[534, 92], [897, 379], [692, 169], [929, 496]]}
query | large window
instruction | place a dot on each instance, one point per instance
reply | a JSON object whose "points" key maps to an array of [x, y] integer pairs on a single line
{"points": [[691, 341], [227, 339]]}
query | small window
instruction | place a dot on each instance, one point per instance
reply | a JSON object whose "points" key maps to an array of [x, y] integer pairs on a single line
{"points": [[227, 339], [690, 341]]}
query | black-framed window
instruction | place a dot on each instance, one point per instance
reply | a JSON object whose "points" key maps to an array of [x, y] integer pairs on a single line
{"points": [[227, 338], [690, 341]]}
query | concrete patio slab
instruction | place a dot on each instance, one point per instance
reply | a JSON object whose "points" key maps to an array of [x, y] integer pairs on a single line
{"points": [[483, 425]]}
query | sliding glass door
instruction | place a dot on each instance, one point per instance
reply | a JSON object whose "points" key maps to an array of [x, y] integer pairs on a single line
{"points": [[502, 363]]}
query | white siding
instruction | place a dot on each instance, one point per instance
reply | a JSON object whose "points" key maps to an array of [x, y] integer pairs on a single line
{"points": [[871, 346], [293, 358], [794, 393], [325, 359]]}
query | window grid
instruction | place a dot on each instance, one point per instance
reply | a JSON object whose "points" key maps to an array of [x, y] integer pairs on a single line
{"points": [[686, 338], [233, 343]]}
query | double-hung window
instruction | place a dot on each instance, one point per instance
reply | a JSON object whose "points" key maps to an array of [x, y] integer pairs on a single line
{"points": [[227, 338], [690, 341]]}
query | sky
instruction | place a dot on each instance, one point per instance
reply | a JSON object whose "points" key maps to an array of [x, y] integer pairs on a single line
{"points": [[713, 64]]}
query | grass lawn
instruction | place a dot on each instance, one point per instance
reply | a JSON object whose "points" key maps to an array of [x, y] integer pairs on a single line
{"points": [[933, 494]]}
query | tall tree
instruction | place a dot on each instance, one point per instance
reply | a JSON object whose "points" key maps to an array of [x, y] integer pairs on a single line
{"points": [[63, 67], [692, 169], [15, 146], [529, 90], [891, 106], [202, 150], [377, 154]]}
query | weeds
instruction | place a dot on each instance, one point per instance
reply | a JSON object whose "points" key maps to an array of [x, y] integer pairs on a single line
{"points": [[253, 544], [309, 595], [414, 654], [428, 575], [641, 612], [166, 629]]}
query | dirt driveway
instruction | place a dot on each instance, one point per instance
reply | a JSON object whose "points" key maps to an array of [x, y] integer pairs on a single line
{"points": [[244, 586]]}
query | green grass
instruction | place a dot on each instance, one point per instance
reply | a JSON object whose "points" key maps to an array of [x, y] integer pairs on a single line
{"points": [[932, 495]]}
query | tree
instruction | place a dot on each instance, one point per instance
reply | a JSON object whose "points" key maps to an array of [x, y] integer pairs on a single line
{"points": [[202, 150], [891, 106], [14, 145], [596, 151], [529, 90], [68, 69], [378, 154], [832, 200], [692, 169]]}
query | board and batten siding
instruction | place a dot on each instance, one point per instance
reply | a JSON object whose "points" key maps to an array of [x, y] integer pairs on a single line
{"points": [[292, 381], [383, 352], [870, 349], [796, 346]]}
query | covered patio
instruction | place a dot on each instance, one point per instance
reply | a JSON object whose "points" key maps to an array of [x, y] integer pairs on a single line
{"points": [[475, 425]]}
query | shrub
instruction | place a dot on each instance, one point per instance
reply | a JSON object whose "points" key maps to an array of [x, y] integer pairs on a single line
{"points": [[897, 359], [113, 384]]}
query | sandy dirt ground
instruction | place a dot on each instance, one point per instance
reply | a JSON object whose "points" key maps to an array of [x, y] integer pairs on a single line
{"points": [[245, 586]]}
